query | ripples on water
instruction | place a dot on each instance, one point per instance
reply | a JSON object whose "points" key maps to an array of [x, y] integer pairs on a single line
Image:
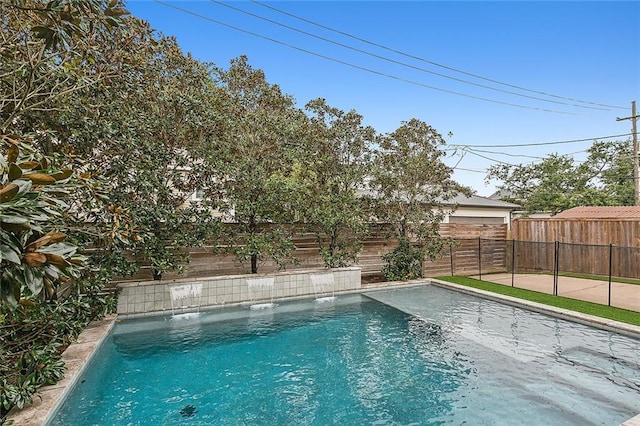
{"points": [[444, 358]]}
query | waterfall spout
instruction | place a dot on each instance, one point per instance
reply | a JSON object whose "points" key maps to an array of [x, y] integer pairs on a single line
{"points": [[185, 297], [261, 290], [323, 287]]}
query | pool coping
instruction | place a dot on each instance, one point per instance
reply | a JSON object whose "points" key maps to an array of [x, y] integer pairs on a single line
{"points": [[586, 319], [78, 355]]}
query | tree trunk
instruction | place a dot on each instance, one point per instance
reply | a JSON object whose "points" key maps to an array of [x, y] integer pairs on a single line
{"points": [[254, 256]]}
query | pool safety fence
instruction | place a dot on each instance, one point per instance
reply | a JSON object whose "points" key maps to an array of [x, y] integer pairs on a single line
{"points": [[153, 297], [608, 263]]}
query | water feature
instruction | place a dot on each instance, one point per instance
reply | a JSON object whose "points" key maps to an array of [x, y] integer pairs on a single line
{"points": [[185, 298], [322, 286], [261, 290]]}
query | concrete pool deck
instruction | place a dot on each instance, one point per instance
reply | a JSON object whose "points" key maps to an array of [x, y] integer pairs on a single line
{"points": [[78, 354], [626, 296]]}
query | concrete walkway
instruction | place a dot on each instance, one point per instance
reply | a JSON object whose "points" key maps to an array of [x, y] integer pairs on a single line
{"points": [[626, 296]]}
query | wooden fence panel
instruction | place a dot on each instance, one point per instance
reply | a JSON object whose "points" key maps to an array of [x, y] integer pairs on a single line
{"points": [[375, 245], [533, 256], [584, 245], [583, 259], [625, 262], [619, 232]]}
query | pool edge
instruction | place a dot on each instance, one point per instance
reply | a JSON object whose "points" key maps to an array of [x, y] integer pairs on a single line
{"points": [[76, 357], [586, 319], [51, 397], [633, 421], [590, 320]]}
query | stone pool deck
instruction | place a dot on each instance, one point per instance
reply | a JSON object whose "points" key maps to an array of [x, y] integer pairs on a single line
{"points": [[80, 353]]}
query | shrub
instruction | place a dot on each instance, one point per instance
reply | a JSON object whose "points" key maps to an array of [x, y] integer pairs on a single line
{"points": [[403, 263], [33, 338]]}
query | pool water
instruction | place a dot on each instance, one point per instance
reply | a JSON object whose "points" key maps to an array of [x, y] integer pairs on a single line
{"points": [[422, 355]]}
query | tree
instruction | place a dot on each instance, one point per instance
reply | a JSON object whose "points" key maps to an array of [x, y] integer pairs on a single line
{"points": [[34, 255], [558, 182], [150, 140], [256, 145], [611, 165], [337, 162], [409, 185], [49, 53]]}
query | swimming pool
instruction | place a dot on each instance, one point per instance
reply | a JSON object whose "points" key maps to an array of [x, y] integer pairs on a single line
{"points": [[422, 355]]}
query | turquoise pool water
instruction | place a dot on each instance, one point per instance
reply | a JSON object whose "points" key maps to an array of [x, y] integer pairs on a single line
{"points": [[422, 355]]}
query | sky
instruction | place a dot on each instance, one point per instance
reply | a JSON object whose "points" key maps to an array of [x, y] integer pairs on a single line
{"points": [[499, 73]]}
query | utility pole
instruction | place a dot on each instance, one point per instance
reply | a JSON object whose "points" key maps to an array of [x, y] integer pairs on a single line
{"points": [[634, 133]]}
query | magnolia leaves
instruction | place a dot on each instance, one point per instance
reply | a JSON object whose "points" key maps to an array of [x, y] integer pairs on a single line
{"points": [[44, 262], [33, 258]]}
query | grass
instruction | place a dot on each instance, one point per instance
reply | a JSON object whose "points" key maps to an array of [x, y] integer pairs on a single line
{"points": [[603, 311]]}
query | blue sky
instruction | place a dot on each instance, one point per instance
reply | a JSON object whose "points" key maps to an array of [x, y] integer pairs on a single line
{"points": [[585, 54]]}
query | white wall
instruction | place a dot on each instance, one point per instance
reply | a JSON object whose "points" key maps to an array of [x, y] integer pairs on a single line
{"points": [[479, 212]]}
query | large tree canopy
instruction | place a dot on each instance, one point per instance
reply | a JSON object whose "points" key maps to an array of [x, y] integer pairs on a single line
{"points": [[560, 182], [409, 185], [147, 142], [49, 54], [256, 146], [338, 160]]}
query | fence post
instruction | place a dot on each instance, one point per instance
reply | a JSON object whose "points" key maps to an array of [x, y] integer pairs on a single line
{"points": [[480, 257], [556, 269], [451, 258], [513, 261], [610, 272]]}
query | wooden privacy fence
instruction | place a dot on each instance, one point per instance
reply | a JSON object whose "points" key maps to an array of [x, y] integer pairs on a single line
{"points": [[376, 244], [585, 246], [619, 232], [558, 258], [484, 256]]}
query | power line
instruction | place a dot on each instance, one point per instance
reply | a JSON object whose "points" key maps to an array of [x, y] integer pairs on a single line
{"points": [[540, 143], [505, 153], [491, 159], [608, 172], [530, 156], [404, 64], [369, 70], [470, 170], [408, 55]]}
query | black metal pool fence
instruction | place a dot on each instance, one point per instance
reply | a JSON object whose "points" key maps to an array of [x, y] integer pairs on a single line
{"points": [[488, 256]]}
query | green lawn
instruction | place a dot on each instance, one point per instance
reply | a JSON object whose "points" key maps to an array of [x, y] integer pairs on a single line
{"points": [[617, 314]]}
